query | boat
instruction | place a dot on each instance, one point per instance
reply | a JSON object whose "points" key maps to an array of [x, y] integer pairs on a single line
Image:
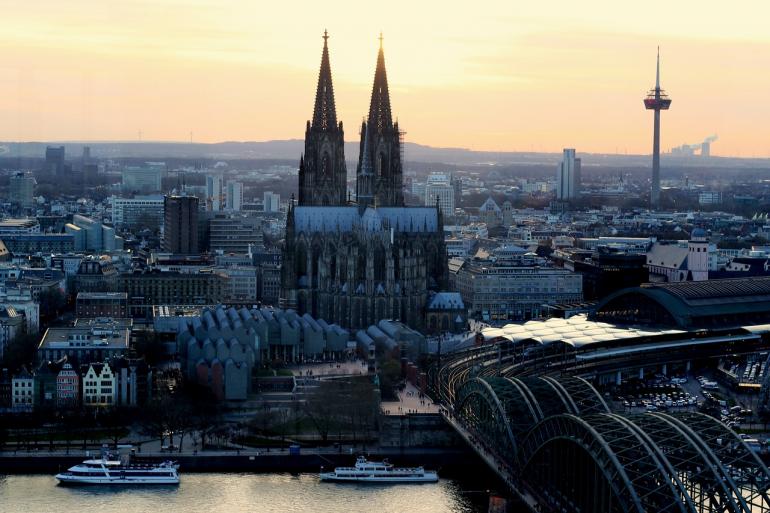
{"points": [[109, 470], [379, 472]]}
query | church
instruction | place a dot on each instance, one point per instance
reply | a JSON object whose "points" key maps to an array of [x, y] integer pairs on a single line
{"points": [[356, 262]]}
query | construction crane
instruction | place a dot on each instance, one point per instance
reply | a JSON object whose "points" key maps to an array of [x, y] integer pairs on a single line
{"points": [[688, 150]]}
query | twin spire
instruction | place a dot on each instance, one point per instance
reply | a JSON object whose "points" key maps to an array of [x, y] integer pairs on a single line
{"points": [[325, 112]]}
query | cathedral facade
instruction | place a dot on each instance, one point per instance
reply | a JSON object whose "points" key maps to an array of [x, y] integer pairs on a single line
{"points": [[355, 263]]}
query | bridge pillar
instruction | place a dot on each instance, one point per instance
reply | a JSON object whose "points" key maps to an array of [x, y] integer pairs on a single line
{"points": [[618, 378], [664, 371], [687, 366], [641, 372]]}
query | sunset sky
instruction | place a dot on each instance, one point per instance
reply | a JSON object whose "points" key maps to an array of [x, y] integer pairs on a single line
{"points": [[485, 75]]}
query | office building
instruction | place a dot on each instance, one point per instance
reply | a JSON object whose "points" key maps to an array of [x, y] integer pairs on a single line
{"points": [[101, 304], [137, 212], [143, 179], [233, 233], [514, 285], [215, 193], [180, 224], [48, 243], [54, 160], [271, 201], [94, 340], [234, 196], [22, 190], [91, 235], [20, 226], [439, 188], [568, 177]]}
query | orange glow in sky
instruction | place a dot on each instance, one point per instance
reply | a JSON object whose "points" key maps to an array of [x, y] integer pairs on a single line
{"points": [[491, 75]]}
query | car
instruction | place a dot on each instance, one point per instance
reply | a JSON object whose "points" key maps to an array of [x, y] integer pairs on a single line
{"points": [[652, 407], [169, 448]]}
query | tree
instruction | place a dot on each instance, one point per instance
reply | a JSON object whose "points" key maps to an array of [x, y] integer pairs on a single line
{"points": [[324, 405], [20, 352]]}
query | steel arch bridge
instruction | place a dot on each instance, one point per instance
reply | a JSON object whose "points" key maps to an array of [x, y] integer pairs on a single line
{"points": [[564, 447]]}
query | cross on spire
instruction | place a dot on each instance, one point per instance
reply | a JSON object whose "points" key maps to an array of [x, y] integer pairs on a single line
{"points": [[380, 38], [325, 36]]}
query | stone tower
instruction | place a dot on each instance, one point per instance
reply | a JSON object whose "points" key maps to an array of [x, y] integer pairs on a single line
{"points": [[380, 150], [322, 171]]}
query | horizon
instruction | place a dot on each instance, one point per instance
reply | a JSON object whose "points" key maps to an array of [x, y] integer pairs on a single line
{"points": [[516, 81]]}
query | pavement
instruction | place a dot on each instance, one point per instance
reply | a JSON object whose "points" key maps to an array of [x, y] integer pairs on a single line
{"points": [[409, 401], [346, 368]]}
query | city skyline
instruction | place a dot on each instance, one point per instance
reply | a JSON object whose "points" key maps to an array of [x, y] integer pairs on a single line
{"points": [[515, 81]]}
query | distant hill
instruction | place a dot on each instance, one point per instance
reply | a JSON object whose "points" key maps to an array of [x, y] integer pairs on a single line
{"points": [[291, 149]]}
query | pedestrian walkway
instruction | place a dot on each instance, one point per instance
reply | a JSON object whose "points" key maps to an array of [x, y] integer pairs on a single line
{"points": [[410, 401], [344, 368]]}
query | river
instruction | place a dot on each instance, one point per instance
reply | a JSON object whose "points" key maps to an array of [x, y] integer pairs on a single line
{"points": [[240, 493]]}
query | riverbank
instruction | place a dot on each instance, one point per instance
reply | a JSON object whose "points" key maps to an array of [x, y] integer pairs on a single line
{"points": [[449, 461]]}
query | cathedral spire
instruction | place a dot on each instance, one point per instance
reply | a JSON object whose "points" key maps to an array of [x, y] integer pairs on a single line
{"points": [[379, 110], [325, 113]]}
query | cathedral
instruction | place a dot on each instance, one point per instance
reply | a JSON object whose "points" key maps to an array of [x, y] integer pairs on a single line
{"points": [[355, 263]]}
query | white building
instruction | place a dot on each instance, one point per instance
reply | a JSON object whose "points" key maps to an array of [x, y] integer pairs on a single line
{"points": [[439, 185], [138, 210], [144, 179], [215, 193], [100, 386], [23, 391], [568, 176], [271, 201], [679, 262], [709, 198], [22, 189], [91, 235], [234, 195]]}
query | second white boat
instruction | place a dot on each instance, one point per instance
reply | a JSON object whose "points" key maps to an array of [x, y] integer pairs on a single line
{"points": [[379, 472]]}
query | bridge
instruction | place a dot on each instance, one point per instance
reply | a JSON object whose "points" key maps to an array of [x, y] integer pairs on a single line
{"points": [[526, 408]]}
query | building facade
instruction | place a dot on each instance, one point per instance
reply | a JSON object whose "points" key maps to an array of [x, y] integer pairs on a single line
{"points": [[67, 387], [22, 190], [568, 176], [180, 226], [496, 292], [100, 386], [136, 212]]}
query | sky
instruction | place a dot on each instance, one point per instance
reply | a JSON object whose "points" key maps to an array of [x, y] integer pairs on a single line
{"points": [[493, 75]]}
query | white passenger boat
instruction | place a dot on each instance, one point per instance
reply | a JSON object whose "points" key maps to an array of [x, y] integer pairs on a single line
{"points": [[114, 472], [379, 472]]}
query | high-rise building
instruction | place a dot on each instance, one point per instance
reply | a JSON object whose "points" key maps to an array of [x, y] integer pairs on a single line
{"points": [[215, 194], [54, 160], [22, 190], [271, 201], [439, 188], [143, 179], [180, 227], [234, 196], [568, 176], [137, 212]]}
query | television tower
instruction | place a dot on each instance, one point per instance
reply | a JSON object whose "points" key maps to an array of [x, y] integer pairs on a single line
{"points": [[656, 100]]}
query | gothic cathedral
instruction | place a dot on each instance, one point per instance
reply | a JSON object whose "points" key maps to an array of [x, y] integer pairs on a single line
{"points": [[355, 263]]}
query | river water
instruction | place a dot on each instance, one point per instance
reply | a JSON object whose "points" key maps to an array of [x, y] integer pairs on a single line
{"points": [[240, 493]]}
